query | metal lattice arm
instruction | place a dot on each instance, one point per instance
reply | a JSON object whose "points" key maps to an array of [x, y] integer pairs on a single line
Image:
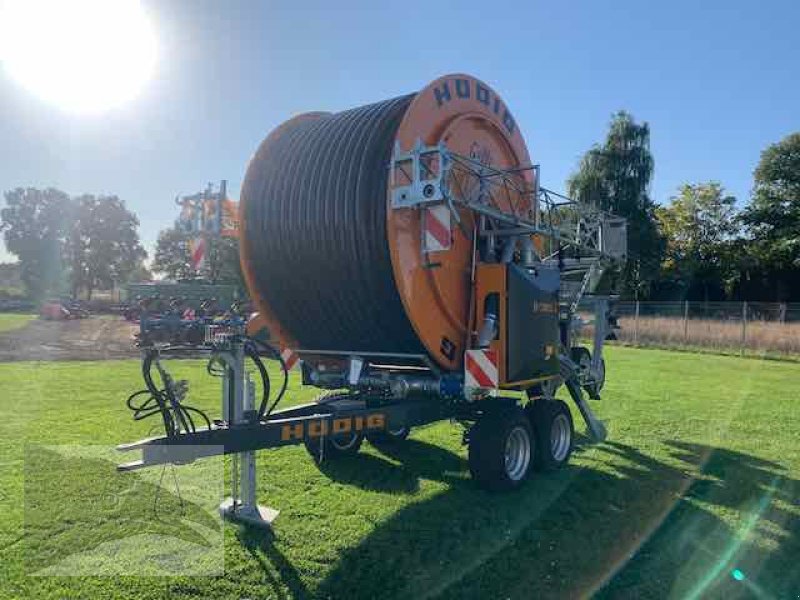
{"points": [[429, 175]]}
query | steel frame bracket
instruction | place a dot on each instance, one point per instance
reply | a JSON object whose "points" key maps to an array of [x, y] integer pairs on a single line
{"points": [[416, 177]]}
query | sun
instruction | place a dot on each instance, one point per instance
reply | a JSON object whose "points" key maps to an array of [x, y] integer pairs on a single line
{"points": [[84, 56]]}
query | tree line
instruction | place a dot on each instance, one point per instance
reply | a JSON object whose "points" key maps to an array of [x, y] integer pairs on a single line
{"points": [[76, 245], [73, 244], [700, 245]]}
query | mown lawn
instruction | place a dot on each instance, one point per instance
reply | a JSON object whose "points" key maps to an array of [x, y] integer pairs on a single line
{"points": [[694, 495], [11, 321]]}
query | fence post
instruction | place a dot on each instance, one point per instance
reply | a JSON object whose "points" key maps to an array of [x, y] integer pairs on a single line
{"points": [[744, 326], [685, 322], [636, 325]]}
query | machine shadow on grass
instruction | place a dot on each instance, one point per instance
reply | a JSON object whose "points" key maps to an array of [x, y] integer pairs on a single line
{"points": [[417, 460], [626, 525], [261, 548]]}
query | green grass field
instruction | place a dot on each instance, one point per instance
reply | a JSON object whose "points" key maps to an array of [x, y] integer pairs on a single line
{"points": [[11, 321], [694, 495]]}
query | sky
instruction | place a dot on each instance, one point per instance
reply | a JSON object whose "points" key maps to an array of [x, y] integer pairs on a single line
{"points": [[716, 81]]}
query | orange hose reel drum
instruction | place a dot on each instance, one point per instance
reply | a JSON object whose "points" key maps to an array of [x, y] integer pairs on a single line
{"points": [[434, 288], [471, 120]]}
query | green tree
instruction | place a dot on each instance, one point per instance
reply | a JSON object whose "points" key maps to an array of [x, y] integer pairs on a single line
{"points": [[615, 176], [103, 246], [35, 224], [139, 274], [699, 226], [173, 257], [222, 261], [773, 215]]}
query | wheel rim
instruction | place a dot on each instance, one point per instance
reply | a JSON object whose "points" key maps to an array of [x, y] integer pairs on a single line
{"points": [[342, 442], [560, 437], [518, 453]]}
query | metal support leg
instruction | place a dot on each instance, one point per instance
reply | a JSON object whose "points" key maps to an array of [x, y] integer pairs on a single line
{"points": [[600, 332], [595, 425], [239, 393], [568, 373]]}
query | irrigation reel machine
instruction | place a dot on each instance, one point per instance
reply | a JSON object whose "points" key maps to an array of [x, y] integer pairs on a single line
{"points": [[406, 261]]}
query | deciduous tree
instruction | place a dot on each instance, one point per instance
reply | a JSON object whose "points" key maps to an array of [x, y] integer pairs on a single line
{"points": [[773, 215], [173, 257], [35, 224], [615, 176], [103, 245], [698, 226]]}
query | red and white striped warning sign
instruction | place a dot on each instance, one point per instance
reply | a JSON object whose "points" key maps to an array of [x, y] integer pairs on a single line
{"points": [[198, 252], [436, 234], [290, 358], [480, 369]]}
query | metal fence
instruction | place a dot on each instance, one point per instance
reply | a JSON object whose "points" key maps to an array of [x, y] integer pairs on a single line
{"points": [[761, 328]]}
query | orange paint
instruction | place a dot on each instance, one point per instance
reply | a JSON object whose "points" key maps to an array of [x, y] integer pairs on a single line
{"points": [[471, 119], [435, 288]]}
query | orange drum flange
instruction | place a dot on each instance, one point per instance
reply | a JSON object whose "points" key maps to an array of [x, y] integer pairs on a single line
{"points": [[471, 120], [434, 287]]}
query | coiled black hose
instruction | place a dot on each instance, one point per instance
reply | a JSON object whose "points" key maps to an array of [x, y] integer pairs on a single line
{"points": [[314, 203]]}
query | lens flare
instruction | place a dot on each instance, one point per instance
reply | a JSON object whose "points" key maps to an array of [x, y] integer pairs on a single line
{"points": [[83, 56]]}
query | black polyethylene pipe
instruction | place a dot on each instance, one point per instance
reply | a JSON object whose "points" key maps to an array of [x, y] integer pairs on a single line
{"points": [[314, 222]]}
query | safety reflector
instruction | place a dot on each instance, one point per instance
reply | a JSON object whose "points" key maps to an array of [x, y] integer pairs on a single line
{"points": [[198, 248], [480, 369], [436, 228], [290, 358]]}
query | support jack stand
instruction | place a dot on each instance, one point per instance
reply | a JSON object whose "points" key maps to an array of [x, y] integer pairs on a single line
{"points": [[254, 516], [238, 404], [242, 507]]}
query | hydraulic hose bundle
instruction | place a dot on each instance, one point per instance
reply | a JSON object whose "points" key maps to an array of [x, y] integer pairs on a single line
{"points": [[167, 397]]}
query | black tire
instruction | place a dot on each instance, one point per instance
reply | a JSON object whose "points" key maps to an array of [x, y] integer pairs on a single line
{"points": [[580, 355], [583, 358], [382, 438], [488, 440], [554, 432], [331, 447]]}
